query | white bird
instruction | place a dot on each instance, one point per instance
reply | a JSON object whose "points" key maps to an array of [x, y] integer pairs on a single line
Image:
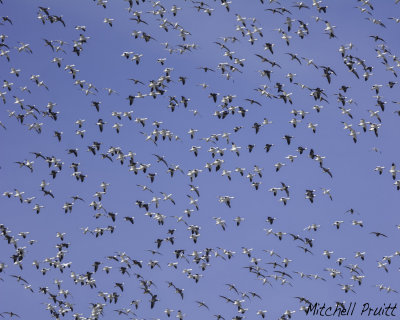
{"points": [[168, 197], [393, 171], [109, 21], [227, 173], [262, 313], [383, 266], [347, 287], [235, 149], [337, 223], [284, 200], [312, 126], [379, 169], [221, 222], [327, 192], [291, 157], [357, 223], [278, 166], [226, 200], [360, 255], [238, 220]]}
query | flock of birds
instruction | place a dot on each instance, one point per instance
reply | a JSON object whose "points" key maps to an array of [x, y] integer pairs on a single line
{"points": [[197, 130]]}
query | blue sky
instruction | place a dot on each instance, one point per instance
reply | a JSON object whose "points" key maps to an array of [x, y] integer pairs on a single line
{"points": [[354, 185]]}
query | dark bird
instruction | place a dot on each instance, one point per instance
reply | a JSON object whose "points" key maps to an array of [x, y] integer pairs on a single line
{"points": [[379, 234], [287, 138]]}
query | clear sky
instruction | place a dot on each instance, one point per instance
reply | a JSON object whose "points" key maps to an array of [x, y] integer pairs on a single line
{"points": [[335, 63]]}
